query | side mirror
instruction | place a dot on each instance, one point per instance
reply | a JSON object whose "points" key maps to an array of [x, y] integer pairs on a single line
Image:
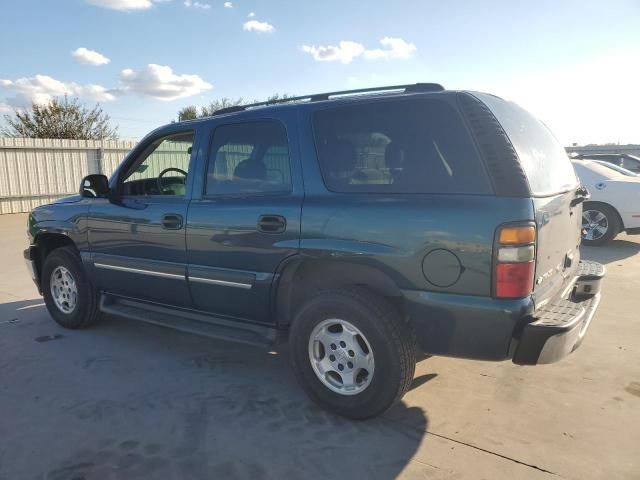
{"points": [[93, 186]]}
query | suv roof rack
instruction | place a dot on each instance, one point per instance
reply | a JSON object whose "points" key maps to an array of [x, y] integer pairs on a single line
{"points": [[410, 88]]}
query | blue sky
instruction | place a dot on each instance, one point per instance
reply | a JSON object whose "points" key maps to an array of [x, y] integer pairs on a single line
{"points": [[575, 64]]}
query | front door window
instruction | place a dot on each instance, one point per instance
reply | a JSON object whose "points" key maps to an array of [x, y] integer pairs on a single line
{"points": [[162, 169]]}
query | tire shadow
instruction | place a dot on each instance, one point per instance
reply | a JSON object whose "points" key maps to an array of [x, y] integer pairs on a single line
{"points": [[616, 250], [164, 404]]}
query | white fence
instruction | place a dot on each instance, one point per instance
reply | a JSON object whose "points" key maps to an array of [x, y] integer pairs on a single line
{"points": [[34, 171]]}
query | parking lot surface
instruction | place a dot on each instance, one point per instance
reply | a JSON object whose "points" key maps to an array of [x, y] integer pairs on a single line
{"points": [[130, 400]]}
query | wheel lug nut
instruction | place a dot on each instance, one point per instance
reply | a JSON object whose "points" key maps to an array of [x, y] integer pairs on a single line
{"points": [[333, 346], [342, 344], [332, 358], [352, 353], [340, 367], [349, 364]]}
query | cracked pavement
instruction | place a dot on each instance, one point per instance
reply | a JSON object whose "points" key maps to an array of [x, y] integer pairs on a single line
{"points": [[128, 400]]}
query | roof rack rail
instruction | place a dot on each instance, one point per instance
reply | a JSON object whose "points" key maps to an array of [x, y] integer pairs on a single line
{"points": [[410, 88]]}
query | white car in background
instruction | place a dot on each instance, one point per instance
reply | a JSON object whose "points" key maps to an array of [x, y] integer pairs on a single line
{"points": [[614, 205]]}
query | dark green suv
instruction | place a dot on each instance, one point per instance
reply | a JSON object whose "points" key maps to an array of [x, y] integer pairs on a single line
{"points": [[360, 225]]}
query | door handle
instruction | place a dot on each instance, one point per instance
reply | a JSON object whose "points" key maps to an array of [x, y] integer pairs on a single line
{"points": [[172, 221], [272, 223]]}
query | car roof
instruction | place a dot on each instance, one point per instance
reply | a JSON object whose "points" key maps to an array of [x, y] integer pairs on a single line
{"points": [[317, 100]]}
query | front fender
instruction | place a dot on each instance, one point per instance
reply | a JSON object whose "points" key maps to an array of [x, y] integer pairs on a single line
{"points": [[69, 220]]}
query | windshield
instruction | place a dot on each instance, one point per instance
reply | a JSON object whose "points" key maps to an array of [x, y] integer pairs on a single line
{"points": [[595, 169], [617, 168]]}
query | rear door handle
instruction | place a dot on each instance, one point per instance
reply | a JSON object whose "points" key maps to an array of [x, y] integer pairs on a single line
{"points": [[172, 221], [272, 223]]}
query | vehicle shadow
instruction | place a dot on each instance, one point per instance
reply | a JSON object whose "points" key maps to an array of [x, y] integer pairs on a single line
{"points": [[618, 249], [139, 401]]}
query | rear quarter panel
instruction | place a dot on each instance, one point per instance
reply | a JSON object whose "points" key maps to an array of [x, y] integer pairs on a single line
{"points": [[394, 232]]}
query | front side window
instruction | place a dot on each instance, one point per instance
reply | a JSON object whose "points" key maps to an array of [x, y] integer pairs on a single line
{"points": [[162, 169], [400, 146], [251, 157]]}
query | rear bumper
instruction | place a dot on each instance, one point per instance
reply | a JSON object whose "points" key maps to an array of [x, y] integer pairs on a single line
{"points": [[486, 328], [558, 333], [559, 327]]}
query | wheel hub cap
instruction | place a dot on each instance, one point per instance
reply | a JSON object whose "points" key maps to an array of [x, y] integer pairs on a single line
{"points": [[64, 290], [341, 356], [594, 224]]}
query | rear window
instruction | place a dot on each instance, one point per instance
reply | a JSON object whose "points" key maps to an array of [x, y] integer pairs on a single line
{"points": [[543, 159], [407, 146]]}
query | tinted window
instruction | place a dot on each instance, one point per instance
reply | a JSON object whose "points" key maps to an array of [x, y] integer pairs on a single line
{"points": [[543, 159], [250, 157], [400, 146], [162, 168]]}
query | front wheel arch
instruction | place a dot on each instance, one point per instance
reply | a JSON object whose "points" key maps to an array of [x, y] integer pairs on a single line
{"points": [[47, 243]]}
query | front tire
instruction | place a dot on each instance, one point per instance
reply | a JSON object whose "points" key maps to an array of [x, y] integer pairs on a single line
{"points": [[68, 294], [600, 223], [352, 352]]}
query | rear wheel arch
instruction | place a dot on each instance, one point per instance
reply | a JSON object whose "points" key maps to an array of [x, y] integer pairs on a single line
{"points": [[301, 278]]}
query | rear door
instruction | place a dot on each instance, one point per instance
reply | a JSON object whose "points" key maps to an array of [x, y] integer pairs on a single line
{"points": [[244, 219], [553, 183]]}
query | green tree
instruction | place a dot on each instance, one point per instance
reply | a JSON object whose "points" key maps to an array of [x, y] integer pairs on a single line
{"points": [[191, 112], [219, 104], [60, 118]]}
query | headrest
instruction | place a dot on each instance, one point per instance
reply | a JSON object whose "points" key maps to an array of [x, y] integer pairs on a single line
{"points": [[251, 169], [394, 155]]}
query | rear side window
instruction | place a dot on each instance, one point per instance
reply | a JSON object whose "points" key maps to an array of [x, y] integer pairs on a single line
{"points": [[543, 159], [400, 146], [251, 157]]}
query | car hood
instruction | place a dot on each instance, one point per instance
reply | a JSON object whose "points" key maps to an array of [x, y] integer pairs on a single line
{"points": [[69, 199]]}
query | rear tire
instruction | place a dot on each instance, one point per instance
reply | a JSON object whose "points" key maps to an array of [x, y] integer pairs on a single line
{"points": [[373, 325], [600, 223], [68, 293]]}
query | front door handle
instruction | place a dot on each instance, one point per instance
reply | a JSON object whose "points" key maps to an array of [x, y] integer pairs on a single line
{"points": [[172, 221], [272, 223]]}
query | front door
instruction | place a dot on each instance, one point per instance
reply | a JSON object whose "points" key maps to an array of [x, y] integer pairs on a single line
{"points": [[137, 237], [244, 219]]}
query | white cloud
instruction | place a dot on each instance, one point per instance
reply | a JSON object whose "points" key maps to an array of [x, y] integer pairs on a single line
{"points": [[124, 5], [89, 57], [228, 5], [256, 26], [159, 82], [393, 48], [43, 88], [202, 6], [347, 50], [251, 14], [5, 108]]}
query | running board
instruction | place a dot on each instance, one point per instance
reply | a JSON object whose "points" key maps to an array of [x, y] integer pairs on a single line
{"points": [[189, 321]]}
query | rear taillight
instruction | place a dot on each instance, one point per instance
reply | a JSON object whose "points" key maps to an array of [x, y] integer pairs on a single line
{"points": [[514, 261]]}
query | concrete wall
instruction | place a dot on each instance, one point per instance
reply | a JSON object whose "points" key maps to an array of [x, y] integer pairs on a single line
{"points": [[34, 171]]}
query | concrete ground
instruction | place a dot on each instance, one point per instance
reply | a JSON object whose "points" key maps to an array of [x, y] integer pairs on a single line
{"points": [[128, 400]]}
